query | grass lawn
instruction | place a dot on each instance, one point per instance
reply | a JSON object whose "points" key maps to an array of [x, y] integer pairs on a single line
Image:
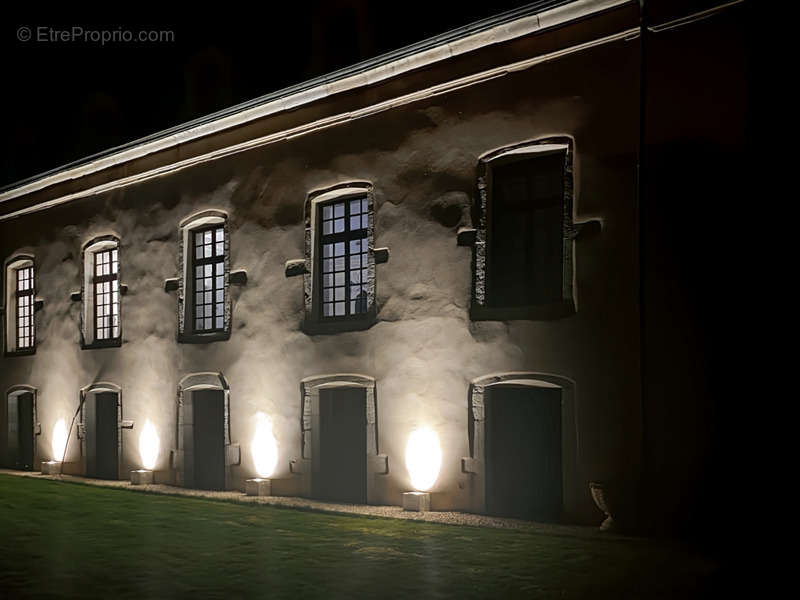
{"points": [[61, 539]]}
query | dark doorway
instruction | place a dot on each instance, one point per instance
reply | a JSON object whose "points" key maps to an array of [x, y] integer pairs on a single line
{"points": [[523, 452], [20, 431], [102, 436], [209, 439], [342, 445]]}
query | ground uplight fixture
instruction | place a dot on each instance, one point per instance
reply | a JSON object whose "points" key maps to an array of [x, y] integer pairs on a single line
{"points": [[423, 461], [149, 445], [58, 444], [264, 449]]}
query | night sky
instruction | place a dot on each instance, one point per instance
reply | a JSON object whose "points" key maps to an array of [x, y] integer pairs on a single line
{"points": [[63, 101]]}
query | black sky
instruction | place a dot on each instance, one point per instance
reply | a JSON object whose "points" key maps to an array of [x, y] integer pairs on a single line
{"points": [[66, 100]]}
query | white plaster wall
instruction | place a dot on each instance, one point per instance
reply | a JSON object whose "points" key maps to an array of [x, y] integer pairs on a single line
{"points": [[424, 350]]}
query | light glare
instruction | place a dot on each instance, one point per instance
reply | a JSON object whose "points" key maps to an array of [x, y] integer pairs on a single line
{"points": [[423, 458], [59, 442], [264, 447], [149, 445]]}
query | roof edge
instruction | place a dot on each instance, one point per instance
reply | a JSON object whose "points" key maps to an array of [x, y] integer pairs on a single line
{"points": [[538, 16]]}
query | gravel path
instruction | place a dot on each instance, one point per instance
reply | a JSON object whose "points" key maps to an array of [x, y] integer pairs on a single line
{"points": [[393, 512]]}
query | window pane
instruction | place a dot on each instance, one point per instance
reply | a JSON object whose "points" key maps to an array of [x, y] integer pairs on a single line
{"points": [[220, 282], [339, 278], [220, 323], [339, 293], [327, 250], [338, 264], [339, 309], [338, 209], [327, 212], [327, 227], [207, 237], [198, 252], [220, 297], [220, 248], [220, 268], [355, 207], [220, 234], [364, 221], [338, 225], [355, 223], [339, 249]]}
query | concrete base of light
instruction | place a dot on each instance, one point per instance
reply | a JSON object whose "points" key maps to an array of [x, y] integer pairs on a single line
{"points": [[417, 501], [141, 477], [258, 487], [51, 467]]}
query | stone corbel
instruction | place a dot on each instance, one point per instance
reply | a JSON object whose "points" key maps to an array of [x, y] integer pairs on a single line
{"points": [[296, 467], [381, 255], [171, 285], [38, 429], [127, 424], [75, 296], [466, 236], [38, 304], [123, 289], [379, 464], [295, 267], [233, 455], [238, 277], [586, 229], [81, 431], [470, 465]]}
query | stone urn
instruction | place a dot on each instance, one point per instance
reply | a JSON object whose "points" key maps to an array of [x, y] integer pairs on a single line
{"points": [[600, 497]]}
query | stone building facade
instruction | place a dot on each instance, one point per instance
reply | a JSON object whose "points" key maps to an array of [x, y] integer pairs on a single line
{"points": [[337, 248]]}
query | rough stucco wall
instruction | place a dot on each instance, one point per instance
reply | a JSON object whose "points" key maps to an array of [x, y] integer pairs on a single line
{"points": [[423, 351]]}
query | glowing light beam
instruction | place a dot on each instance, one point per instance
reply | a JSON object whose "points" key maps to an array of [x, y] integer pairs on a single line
{"points": [[149, 445], [264, 447], [423, 458], [59, 442]]}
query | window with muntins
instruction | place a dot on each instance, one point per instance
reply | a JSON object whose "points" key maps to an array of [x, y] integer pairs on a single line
{"points": [[208, 268], [105, 284], [344, 249], [24, 293]]}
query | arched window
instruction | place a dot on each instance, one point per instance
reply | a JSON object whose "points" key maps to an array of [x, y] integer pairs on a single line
{"points": [[339, 265], [20, 305], [523, 239], [102, 293], [204, 298]]}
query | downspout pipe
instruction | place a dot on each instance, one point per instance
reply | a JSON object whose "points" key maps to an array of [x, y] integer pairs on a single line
{"points": [[642, 227], [69, 432]]}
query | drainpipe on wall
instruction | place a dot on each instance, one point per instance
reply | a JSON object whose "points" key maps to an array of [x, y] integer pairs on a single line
{"points": [[69, 431], [643, 485]]}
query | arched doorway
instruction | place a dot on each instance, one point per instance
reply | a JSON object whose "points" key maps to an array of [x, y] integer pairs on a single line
{"points": [[100, 429], [340, 437], [522, 443], [21, 427], [205, 453]]}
